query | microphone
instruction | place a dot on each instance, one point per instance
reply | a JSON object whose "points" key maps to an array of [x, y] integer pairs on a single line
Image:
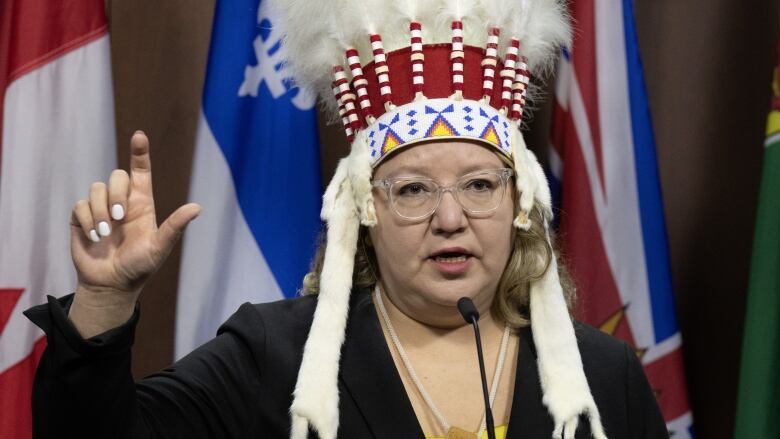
{"points": [[471, 315]]}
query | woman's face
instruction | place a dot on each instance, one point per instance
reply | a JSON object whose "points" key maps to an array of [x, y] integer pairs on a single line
{"points": [[427, 265]]}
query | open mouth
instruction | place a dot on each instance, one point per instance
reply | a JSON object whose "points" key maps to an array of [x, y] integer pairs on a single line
{"points": [[452, 261], [451, 257]]}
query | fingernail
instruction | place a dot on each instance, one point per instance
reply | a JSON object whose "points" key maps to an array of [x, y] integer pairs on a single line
{"points": [[117, 212], [103, 228], [138, 132], [94, 236]]}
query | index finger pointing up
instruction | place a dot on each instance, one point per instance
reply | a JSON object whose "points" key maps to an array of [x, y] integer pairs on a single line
{"points": [[140, 163]]}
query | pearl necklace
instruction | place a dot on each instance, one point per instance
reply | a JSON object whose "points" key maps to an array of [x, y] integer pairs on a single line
{"points": [[452, 432]]}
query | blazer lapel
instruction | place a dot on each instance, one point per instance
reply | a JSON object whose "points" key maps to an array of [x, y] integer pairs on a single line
{"points": [[370, 377]]}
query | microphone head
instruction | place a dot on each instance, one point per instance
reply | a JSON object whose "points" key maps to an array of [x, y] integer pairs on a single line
{"points": [[467, 309]]}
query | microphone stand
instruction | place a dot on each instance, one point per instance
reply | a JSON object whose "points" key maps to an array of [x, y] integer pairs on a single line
{"points": [[471, 315]]}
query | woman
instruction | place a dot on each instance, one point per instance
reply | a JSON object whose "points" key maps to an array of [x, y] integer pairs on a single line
{"points": [[451, 204]]}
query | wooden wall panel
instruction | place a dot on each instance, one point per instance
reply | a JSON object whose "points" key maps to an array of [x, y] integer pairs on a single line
{"points": [[708, 66], [159, 52]]}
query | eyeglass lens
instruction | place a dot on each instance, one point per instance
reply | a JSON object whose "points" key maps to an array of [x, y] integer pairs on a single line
{"points": [[476, 193]]}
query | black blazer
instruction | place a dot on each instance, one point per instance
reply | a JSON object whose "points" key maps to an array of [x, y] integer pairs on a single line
{"points": [[239, 384]]}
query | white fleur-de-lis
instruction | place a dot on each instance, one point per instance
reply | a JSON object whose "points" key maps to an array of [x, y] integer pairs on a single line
{"points": [[270, 69]]}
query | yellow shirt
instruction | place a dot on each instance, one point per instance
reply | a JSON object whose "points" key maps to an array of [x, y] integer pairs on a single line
{"points": [[500, 433]]}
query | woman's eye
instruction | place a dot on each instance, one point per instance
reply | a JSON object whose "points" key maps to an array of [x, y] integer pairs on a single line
{"points": [[479, 185], [412, 189]]}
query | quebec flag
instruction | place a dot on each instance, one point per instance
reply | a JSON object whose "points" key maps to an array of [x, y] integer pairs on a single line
{"points": [[256, 174]]}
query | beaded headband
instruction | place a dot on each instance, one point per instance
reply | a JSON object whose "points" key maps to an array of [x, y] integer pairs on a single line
{"points": [[401, 109]]}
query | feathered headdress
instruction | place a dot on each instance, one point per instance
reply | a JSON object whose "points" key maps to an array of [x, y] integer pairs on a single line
{"points": [[399, 72]]}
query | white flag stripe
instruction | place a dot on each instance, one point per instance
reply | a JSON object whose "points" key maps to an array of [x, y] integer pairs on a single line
{"points": [[680, 426], [58, 137], [614, 223], [556, 164], [223, 239], [563, 83], [662, 349], [617, 214], [623, 231]]}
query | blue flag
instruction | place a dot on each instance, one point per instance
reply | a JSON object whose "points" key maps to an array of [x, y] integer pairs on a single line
{"points": [[256, 174]]}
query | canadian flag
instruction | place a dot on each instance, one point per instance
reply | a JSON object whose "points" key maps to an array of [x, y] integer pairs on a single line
{"points": [[57, 136]]}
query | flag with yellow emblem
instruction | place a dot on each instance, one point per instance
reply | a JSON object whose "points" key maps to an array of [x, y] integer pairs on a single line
{"points": [[759, 382]]}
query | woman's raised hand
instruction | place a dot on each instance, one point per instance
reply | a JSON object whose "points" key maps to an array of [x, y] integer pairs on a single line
{"points": [[116, 244]]}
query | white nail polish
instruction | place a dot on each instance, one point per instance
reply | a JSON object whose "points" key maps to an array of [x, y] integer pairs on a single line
{"points": [[103, 228], [117, 212], [94, 236]]}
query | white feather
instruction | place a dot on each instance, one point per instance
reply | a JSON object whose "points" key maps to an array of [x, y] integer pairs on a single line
{"points": [[350, 23], [310, 49], [408, 8], [371, 14], [497, 12], [520, 17], [319, 31], [474, 29], [511, 11], [457, 9], [502, 14], [423, 12], [548, 30]]}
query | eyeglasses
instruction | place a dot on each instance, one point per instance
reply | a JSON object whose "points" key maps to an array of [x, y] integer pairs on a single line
{"points": [[415, 198]]}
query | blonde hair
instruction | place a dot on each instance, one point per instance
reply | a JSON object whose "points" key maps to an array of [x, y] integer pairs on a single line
{"points": [[530, 258]]}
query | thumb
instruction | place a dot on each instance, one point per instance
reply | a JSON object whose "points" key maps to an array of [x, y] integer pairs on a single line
{"points": [[172, 228]]}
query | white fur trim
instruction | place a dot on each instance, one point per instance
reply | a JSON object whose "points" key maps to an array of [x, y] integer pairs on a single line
{"points": [[316, 397], [299, 428], [525, 180], [566, 390], [333, 189], [530, 181], [542, 186], [360, 172]]}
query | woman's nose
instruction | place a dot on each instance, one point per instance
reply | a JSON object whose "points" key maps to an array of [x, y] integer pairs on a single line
{"points": [[449, 216]]}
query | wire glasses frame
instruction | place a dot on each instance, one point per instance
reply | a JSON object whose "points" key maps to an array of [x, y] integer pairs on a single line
{"points": [[478, 193]]}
